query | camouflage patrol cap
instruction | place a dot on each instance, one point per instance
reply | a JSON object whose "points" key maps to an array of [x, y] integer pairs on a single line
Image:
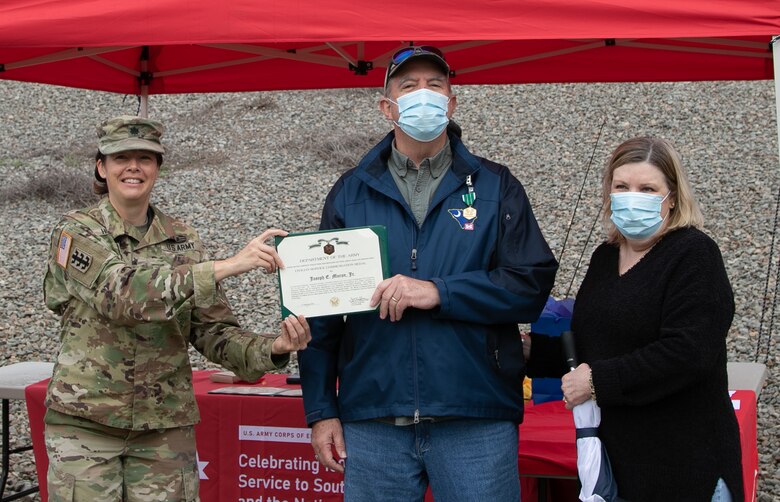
{"points": [[127, 132]]}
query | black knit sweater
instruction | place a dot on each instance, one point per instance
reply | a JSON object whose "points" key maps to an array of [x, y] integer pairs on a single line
{"points": [[655, 339]]}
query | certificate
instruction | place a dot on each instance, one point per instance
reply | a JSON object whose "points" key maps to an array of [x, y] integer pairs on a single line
{"points": [[331, 272]]}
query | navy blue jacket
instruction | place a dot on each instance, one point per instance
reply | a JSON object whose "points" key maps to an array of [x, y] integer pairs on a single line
{"points": [[463, 358]]}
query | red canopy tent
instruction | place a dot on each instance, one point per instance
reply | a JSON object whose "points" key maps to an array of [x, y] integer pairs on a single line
{"points": [[177, 46], [173, 46]]}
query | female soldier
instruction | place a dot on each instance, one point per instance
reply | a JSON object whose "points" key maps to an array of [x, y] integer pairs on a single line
{"points": [[134, 287]]}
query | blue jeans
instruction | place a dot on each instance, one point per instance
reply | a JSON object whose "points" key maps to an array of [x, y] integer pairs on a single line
{"points": [[722, 493], [461, 459]]}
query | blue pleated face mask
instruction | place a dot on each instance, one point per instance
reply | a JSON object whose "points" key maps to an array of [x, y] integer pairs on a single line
{"points": [[422, 114], [637, 215]]}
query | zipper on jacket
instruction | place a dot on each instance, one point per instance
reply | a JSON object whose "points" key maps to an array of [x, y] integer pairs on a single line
{"points": [[416, 379], [495, 354], [415, 369]]}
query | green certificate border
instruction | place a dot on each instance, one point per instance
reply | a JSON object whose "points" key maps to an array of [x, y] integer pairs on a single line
{"points": [[379, 230]]}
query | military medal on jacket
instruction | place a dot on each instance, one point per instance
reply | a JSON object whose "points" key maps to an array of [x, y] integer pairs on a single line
{"points": [[466, 216]]}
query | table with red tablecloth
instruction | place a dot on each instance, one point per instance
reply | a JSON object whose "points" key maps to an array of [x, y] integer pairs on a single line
{"points": [[548, 449], [250, 447], [257, 448]]}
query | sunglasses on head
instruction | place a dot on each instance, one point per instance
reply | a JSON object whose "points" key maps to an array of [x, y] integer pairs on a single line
{"points": [[403, 54]]}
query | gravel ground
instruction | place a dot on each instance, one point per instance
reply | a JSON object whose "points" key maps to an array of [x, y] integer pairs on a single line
{"points": [[239, 163]]}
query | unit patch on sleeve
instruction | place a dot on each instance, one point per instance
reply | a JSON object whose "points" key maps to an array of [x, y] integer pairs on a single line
{"points": [[63, 249], [80, 260], [85, 260]]}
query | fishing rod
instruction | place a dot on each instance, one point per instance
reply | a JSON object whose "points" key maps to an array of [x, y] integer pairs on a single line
{"points": [[574, 212]]}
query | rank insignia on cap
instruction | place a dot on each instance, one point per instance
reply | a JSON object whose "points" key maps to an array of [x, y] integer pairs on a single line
{"points": [[63, 249], [80, 260], [133, 131]]}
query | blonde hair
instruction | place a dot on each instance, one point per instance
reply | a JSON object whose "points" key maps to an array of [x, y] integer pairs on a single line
{"points": [[661, 154]]}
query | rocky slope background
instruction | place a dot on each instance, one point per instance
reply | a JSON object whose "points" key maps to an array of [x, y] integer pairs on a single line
{"points": [[239, 163]]}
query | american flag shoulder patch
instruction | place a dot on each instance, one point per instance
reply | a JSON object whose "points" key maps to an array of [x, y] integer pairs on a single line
{"points": [[63, 249]]}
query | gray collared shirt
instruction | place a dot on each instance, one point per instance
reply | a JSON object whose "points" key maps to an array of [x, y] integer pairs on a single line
{"points": [[417, 184]]}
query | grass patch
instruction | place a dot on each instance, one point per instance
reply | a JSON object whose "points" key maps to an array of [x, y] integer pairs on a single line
{"points": [[339, 152], [187, 158], [65, 178], [260, 102], [70, 187]]}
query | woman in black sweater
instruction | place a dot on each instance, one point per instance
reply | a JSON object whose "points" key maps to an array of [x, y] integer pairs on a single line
{"points": [[650, 324]]}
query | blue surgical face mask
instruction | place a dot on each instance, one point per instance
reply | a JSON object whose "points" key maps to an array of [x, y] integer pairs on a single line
{"points": [[422, 114], [636, 215]]}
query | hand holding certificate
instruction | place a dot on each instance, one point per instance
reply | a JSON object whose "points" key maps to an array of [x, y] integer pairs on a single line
{"points": [[331, 272]]}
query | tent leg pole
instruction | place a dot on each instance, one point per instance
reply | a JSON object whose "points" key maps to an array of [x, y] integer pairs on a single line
{"points": [[144, 79], [776, 61], [144, 108], [776, 67]]}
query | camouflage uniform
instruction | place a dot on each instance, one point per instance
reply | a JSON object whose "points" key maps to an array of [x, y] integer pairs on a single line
{"points": [[130, 303], [96, 463]]}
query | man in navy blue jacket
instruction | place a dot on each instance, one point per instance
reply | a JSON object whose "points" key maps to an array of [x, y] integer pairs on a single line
{"points": [[430, 386]]}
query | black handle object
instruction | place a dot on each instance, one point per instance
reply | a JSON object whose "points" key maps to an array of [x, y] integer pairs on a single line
{"points": [[567, 338]]}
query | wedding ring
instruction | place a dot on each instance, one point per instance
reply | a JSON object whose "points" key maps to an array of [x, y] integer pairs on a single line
{"points": [[394, 299]]}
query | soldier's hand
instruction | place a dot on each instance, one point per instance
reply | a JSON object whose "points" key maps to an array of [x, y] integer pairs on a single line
{"points": [[256, 254], [396, 294], [296, 335], [327, 435]]}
